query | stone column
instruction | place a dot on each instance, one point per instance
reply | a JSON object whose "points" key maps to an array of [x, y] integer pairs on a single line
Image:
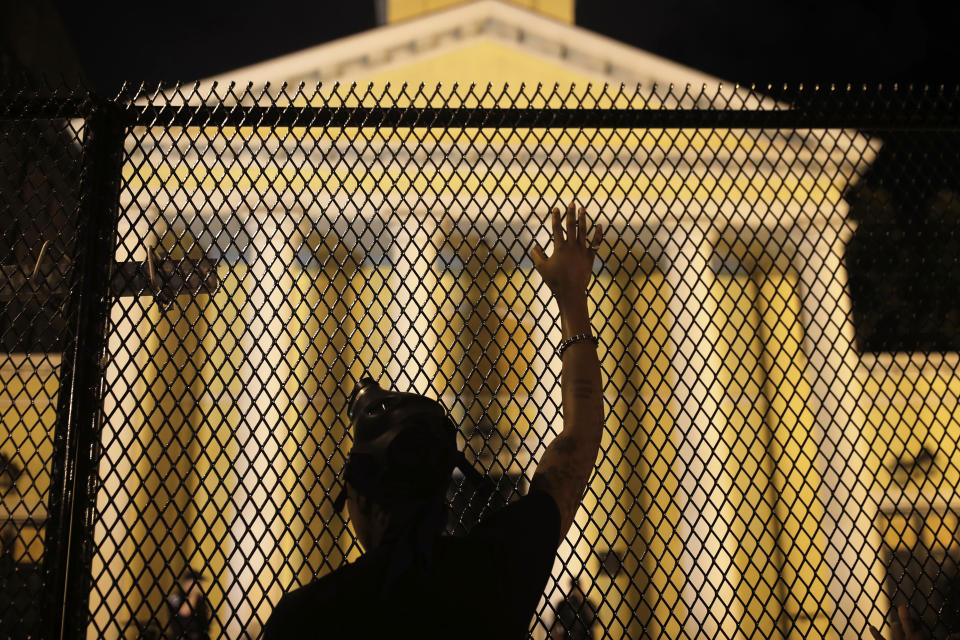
{"points": [[258, 540], [856, 578], [704, 561], [414, 279]]}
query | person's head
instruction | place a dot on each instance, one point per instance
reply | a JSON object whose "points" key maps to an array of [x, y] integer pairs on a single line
{"points": [[399, 468]]}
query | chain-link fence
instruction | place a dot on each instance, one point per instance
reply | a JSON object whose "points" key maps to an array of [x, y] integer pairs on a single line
{"points": [[194, 279]]}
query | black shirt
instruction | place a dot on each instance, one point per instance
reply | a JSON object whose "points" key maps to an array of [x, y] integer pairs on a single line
{"points": [[483, 585]]}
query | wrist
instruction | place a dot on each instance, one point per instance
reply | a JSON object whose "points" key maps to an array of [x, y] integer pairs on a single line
{"points": [[574, 317], [576, 339], [571, 300]]}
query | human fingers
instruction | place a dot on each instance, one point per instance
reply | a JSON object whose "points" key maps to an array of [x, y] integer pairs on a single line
{"points": [[538, 255], [557, 227], [582, 226], [875, 633], [572, 222]]}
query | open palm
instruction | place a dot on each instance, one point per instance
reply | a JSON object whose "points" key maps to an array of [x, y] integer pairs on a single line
{"points": [[568, 269]]}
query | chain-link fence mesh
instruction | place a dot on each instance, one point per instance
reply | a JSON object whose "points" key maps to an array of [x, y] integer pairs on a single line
{"points": [[774, 299]]}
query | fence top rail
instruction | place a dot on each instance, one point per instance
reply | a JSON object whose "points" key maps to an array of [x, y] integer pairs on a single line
{"points": [[875, 108], [496, 118]]}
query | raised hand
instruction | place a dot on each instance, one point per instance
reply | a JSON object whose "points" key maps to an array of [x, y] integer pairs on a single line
{"points": [[568, 269], [569, 459]]}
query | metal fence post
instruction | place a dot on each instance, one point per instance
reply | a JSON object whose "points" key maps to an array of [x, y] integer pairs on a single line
{"points": [[76, 435]]}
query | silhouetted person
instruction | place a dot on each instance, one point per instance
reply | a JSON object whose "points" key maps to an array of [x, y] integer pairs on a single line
{"points": [[189, 610], [574, 616], [412, 582]]}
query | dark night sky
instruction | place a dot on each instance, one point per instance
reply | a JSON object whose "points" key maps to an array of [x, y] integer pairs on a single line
{"points": [[738, 40]]}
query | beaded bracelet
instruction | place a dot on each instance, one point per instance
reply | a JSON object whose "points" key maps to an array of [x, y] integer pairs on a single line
{"points": [[572, 340]]}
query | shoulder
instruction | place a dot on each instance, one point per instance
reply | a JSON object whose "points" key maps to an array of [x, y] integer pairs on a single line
{"points": [[296, 614], [524, 533], [537, 512]]}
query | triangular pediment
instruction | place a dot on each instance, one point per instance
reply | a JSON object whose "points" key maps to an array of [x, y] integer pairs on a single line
{"points": [[484, 41], [509, 52]]}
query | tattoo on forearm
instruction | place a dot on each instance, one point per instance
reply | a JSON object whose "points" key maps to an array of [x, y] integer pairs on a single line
{"points": [[564, 445], [559, 473], [555, 481], [561, 478]]}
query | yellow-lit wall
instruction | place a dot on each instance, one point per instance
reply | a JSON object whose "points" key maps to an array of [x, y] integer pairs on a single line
{"points": [[399, 10], [699, 187], [477, 61], [487, 320], [632, 506], [773, 488]]}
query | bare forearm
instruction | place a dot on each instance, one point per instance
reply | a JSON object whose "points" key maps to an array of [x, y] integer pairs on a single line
{"points": [[580, 381], [569, 460], [567, 463]]}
